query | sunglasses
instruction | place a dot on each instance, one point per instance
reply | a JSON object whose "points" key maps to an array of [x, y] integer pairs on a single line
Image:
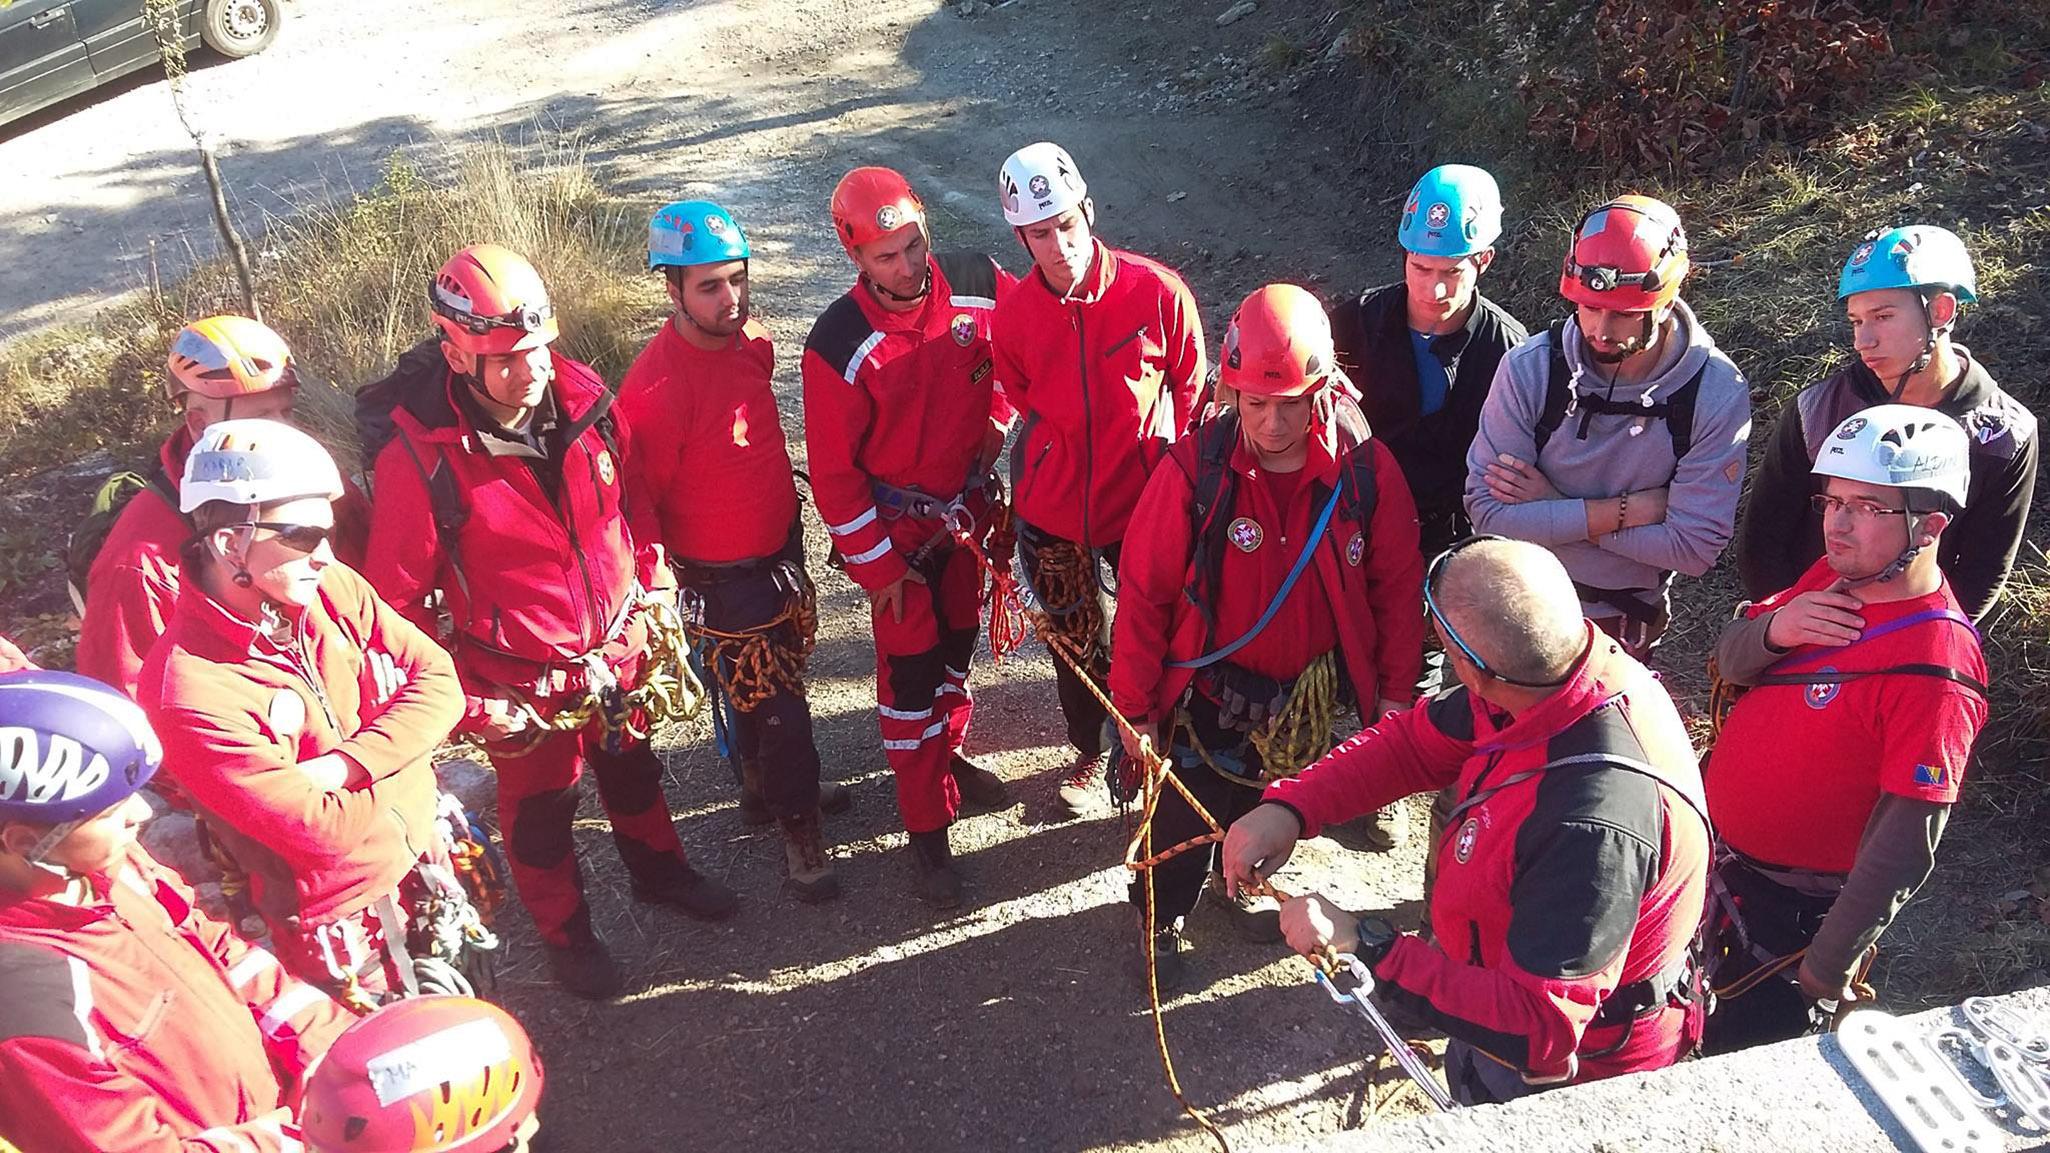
{"points": [[1431, 578], [298, 537]]}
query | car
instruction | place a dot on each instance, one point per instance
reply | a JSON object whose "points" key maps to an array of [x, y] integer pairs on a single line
{"points": [[53, 49]]}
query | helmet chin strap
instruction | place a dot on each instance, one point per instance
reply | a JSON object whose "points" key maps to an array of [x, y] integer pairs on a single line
{"points": [[1900, 563], [1928, 352], [924, 286]]}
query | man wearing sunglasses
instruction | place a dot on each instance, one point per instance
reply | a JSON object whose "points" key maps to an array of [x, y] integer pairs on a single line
{"points": [[500, 493], [298, 711], [1617, 440], [1864, 689], [1572, 876], [219, 368], [1278, 581]]}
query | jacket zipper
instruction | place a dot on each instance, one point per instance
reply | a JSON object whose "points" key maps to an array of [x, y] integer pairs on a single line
{"points": [[569, 516], [302, 664], [1088, 424]]}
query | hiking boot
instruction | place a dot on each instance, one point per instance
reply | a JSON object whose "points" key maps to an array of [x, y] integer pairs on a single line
{"points": [[834, 798], [1081, 789], [1255, 925], [804, 858], [980, 788], [1381, 830], [1170, 949], [690, 891], [585, 969], [938, 884]]}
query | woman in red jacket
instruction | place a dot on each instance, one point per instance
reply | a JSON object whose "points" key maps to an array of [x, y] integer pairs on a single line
{"points": [[1278, 578], [299, 711]]}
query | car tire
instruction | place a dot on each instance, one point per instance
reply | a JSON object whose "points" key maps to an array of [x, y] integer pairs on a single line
{"points": [[238, 28]]}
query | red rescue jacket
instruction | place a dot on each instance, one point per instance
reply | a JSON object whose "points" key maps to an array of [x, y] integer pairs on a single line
{"points": [[532, 585], [135, 1022], [708, 467], [1574, 866], [237, 711], [133, 585], [1366, 578], [1106, 378], [906, 398]]}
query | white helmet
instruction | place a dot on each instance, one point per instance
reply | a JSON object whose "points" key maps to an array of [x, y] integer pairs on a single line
{"points": [[1902, 446], [1039, 181], [256, 462]]}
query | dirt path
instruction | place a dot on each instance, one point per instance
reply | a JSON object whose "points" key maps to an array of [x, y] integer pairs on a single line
{"points": [[868, 1024]]}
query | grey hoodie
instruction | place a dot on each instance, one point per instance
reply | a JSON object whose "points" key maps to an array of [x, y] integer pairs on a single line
{"points": [[1619, 454]]}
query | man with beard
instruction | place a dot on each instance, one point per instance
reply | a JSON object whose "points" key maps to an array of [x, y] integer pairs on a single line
{"points": [[1569, 454], [708, 476]]}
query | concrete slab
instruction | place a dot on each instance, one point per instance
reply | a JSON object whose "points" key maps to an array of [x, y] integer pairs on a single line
{"points": [[1797, 1097]]}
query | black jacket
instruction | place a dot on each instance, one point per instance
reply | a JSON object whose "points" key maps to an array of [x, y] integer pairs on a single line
{"points": [[1780, 536], [1372, 337]]}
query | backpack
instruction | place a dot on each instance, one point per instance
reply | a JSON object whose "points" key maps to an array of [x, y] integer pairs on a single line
{"points": [[1677, 410], [1215, 486], [83, 546]]}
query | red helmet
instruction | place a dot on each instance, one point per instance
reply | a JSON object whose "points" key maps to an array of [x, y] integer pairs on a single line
{"points": [[1630, 254], [426, 1075], [223, 357], [871, 203], [489, 301], [1278, 343]]}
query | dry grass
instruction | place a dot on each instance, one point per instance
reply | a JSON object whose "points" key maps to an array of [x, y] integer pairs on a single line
{"points": [[345, 284]]}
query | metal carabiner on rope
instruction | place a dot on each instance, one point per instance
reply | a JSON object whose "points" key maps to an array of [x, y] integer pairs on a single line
{"points": [[1350, 983]]}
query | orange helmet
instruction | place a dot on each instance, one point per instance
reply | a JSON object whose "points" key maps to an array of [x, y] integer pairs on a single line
{"points": [[425, 1075], [1277, 344], [223, 357], [871, 203], [489, 301], [1630, 254]]}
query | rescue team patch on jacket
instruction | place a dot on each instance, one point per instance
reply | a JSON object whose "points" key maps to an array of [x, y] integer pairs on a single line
{"points": [[1245, 533], [1820, 693], [1470, 832], [605, 469], [963, 328], [287, 715], [1356, 549]]}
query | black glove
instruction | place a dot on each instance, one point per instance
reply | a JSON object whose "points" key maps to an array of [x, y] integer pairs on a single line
{"points": [[1377, 938]]}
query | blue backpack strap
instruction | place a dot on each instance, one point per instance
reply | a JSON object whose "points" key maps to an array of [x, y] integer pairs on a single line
{"points": [[1302, 562]]}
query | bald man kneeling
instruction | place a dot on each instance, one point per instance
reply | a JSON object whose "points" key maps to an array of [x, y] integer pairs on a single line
{"points": [[1572, 872]]}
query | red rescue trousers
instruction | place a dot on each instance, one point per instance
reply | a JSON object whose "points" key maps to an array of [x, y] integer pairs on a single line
{"points": [[922, 676], [537, 808]]}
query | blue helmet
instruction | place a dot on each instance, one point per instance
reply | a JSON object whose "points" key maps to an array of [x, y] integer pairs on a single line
{"points": [[1455, 210], [694, 232], [70, 748], [1920, 256]]}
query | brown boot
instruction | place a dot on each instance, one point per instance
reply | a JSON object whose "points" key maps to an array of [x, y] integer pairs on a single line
{"points": [[804, 856], [932, 860]]}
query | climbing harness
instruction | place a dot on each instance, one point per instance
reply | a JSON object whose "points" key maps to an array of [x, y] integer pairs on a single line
{"points": [[749, 666], [669, 690]]}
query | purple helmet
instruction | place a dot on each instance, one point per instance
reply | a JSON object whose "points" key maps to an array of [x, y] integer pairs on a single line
{"points": [[70, 747]]}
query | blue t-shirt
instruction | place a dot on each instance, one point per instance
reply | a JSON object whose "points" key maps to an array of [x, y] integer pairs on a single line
{"points": [[1433, 377]]}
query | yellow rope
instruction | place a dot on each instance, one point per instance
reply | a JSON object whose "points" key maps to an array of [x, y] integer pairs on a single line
{"points": [[1295, 737]]}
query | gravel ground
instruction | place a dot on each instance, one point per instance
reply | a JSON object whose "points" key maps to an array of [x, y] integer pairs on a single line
{"points": [[869, 1023]]}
